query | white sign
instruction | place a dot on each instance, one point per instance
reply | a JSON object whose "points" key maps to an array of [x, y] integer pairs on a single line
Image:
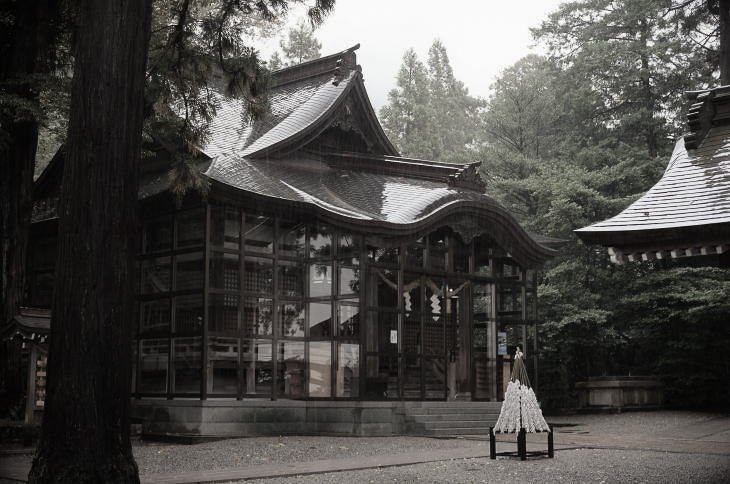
{"points": [[394, 336]]}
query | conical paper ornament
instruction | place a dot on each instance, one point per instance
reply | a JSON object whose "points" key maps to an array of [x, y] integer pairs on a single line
{"points": [[520, 409]]}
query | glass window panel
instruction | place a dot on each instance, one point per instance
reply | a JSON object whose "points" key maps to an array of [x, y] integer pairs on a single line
{"points": [[320, 369], [225, 227], [510, 302], [483, 301], [190, 228], [291, 239], [515, 337], [531, 305], [380, 326], [414, 254], [187, 365], [291, 320], [349, 320], [320, 280], [433, 336], [155, 275], [189, 313], [483, 261], [153, 365], [258, 275], [223, 313], [258, 316], [384, 255], [510, 270], [157, 235], [259, 234], [291, 279], [461, 252], [224, 271], [155, 316], [383, 288], [223, 372], [320, 241], [348, 248], [320, 320], [434, 377], [258, 369], [412, 294], [412, 377], [437, 250], [412, 333], [349, 280], [189, 270], [291, 369], [381, 377], [348, 370]]}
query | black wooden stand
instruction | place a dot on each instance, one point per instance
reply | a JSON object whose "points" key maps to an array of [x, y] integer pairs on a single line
{"points": [[522, 452]]}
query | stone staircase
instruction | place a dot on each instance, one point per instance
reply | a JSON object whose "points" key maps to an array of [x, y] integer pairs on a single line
{"points": [[440, 419]]}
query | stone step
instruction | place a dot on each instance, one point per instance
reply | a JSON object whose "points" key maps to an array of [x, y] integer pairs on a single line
{"points": [[478, 417], [447, 431], [452, 411], [456, 424]]}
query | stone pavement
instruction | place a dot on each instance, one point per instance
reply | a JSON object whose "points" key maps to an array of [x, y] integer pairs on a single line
{"points": [[702, 435]]}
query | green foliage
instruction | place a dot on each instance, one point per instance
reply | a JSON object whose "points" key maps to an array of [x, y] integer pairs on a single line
{"points": [[301, 44], [430, 113]]}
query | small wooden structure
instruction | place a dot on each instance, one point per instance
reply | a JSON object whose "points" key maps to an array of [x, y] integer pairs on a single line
{"points": [[520, 414], [686, 214]]}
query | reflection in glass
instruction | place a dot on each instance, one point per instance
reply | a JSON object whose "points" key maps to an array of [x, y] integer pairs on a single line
{"points": [[190, 228], [482, 303], [320, 369], [291, 239], [387, 255], [348, 370], [153, 365], [291, 366], [224, 271], [155, 275], [349, 280], [225, 227], [223, 356], [291, 279], [414, 254], [320, 280], [223, 313], [155, 316], [348, 249], [259, 234], [189, 270], [320, 320], [257, 367], [258, 276], [291, 320], [349, 320], [320, 241], [187, 364], [258, 316], [188, 313]]}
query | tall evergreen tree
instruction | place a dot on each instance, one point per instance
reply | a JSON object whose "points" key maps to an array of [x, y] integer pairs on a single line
{"points": [[301, 44]]}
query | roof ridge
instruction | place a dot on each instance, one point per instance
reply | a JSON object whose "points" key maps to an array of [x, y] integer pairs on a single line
{"points": [[315, 67]]}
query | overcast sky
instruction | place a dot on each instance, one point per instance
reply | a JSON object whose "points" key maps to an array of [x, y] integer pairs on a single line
{"points": [[482, 37]]}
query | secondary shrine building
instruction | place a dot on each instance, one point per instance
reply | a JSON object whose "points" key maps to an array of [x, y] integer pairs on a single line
{"points": [[324, 280]]}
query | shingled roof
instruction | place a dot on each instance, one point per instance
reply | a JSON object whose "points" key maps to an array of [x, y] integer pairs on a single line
{"points": [[687, 212]]}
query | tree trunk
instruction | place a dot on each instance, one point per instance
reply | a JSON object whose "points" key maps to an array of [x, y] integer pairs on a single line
{"points": [[85, 433], [724, 42], [29, 40]]}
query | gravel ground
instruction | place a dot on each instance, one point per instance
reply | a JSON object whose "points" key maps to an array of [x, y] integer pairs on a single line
{"points": [[579, 466], [272, 450]]}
